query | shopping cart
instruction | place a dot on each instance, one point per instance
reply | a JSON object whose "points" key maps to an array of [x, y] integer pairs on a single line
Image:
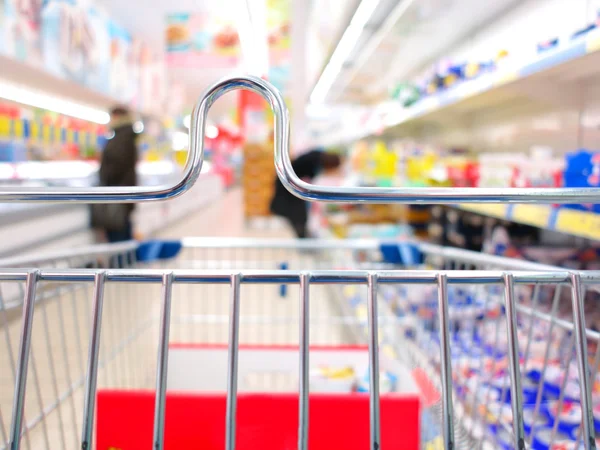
{"points": [[508, 317]]}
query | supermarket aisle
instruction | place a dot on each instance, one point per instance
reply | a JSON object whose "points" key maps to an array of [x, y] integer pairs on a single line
{"points": [[224, 218]]}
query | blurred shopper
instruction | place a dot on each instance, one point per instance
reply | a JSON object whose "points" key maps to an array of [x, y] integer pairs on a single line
{"points": [[290, 207], [117, 168]]}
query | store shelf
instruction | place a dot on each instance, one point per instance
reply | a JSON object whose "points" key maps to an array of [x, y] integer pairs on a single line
{"points": [[22, 74], [570, 221], [550, 79], [17, 73]]}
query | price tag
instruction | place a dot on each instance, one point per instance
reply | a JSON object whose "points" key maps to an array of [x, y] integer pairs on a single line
{"points": [[436, 444], [505, 77], [535, 215], [593, 43], [494, 210], [580, 223]]}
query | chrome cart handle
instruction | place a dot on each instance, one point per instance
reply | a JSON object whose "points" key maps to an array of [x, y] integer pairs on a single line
{"points": [[191, 172], [286, 174]]}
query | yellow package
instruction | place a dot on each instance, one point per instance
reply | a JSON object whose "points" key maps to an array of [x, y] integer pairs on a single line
{"points": [[418, 167], [384, 161]]}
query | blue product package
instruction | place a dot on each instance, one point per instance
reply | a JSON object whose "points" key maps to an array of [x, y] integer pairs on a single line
{"points": [[154, 250], [501, 384], [552, 382], [568, 418], [404, 253], [13, 151], [534, 374], [530, 391], [580, 168], [530, 419], [584, 31], [547, 45]]}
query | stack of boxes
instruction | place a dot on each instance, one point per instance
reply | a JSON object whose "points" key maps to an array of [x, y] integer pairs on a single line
{"points": [[258, 180]]}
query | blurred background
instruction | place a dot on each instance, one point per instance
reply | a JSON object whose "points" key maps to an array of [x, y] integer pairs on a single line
{"points": [[409, 93], [452, 93]]}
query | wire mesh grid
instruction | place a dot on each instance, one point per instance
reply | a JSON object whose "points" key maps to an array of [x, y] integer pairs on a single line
{"points": [[67, 312], [481, 333]]}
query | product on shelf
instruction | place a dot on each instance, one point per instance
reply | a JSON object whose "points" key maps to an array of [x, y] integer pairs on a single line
{"points": [[333, 379], [479, 343], [453, 74], [587, 29], [383, 164], [547, 45], [435, 84], [387, 382], [258, 179], [406, 93], [30, 134]]}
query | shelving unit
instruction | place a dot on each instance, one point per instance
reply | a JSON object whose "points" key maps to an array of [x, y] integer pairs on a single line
{"points": [[531, 85], [22, 74], [563, 220]]}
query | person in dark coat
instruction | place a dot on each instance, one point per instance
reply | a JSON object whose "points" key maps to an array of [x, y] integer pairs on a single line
{"points": [[117, 166], [287, 205]]}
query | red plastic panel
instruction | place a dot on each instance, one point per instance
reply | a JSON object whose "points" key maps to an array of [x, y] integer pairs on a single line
{"points": [[264, 421]]}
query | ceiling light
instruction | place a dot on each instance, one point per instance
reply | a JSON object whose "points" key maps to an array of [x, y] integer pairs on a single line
{"points": [[179, 140], [252, 31], [212, 132], [38, 99], [345, 46], [383, 31], [138, 127]]}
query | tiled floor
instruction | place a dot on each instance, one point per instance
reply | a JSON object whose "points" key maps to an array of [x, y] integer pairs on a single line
{"points": [[130, 328]]}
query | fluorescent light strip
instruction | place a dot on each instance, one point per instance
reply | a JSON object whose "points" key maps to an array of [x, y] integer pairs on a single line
{"points": [[345, 46], [37, 99], [376, 39], [251, 23]]}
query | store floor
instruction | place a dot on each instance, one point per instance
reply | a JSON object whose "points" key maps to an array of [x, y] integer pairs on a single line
{"points": [[200, 314], [225, 218]]}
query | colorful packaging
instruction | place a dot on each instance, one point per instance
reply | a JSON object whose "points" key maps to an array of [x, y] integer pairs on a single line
{"points": [[406, 93], [330, 379], [549, 44], [387, 382], [542, 440], [553, 383], [530, 419], [383, 162], [568, 417]]}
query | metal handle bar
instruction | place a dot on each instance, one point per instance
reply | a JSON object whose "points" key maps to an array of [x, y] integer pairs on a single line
{"points": [[286, 174]]}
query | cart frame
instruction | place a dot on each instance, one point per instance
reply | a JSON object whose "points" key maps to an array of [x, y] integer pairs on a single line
{"points": [[373, 279]]}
